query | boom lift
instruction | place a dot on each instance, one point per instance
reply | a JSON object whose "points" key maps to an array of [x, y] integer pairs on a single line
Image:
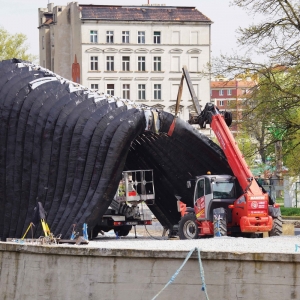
{"points": [[219, 209], [135, 187]]}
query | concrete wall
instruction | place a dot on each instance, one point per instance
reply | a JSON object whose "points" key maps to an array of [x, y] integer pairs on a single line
{"points": [[77, 272]]}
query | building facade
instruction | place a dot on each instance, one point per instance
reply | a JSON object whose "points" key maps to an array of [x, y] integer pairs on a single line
{"points": [[229, 94], [133, 52]]}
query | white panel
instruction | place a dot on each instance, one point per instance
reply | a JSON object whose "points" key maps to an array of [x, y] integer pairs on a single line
{"points": [[194, 37], [175, 64], [174, 91], [193, 64], [176, 37]]}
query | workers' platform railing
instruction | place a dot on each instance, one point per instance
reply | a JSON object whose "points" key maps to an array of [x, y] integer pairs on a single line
{"points": [[136, 185]]}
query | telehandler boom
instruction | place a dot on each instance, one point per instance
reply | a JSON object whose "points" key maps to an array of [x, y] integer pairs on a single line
{"points": [[219, 209]]}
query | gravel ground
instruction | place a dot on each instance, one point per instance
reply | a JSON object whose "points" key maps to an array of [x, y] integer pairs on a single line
{"points": [[282, 244], [150, 238]]}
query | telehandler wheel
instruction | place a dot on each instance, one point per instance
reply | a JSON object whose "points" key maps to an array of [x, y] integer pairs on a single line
{"points": [[220, 222], [123, 230], [188, 227], [277, 227]]}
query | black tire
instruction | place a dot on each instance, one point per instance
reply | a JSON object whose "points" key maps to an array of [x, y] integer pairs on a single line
{"points": [[277, 227], [123, 230], [220, 222], [188, 227], [93, 233]]}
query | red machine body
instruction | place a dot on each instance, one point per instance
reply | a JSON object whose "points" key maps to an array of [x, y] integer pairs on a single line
{"points": [[218, 208], [249, 211]]}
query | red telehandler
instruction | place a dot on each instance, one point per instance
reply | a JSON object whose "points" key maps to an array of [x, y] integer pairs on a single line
{"points": [[219, 208]]}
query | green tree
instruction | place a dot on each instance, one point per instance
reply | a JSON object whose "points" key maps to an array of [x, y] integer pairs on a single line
{"points": [[275, 101], [14, 46]]}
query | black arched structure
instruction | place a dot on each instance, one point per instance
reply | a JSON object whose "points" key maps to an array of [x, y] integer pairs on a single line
{"points": [[66, 147]]}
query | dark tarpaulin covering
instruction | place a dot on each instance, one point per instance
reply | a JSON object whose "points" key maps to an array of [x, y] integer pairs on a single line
{"points": [[65, 149]]}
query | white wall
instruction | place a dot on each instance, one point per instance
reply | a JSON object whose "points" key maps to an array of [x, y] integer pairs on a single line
{"points": [[173, 57], [184, 43]]}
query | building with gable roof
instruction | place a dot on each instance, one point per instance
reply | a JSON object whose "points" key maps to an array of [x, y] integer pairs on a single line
{"points": [[134, 52]]}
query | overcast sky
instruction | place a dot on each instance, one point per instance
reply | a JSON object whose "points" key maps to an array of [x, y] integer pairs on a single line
{"points": [[22, 16]]}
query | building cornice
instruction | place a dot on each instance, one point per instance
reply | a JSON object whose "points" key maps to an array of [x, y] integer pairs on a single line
{"points": [[197, 23]]}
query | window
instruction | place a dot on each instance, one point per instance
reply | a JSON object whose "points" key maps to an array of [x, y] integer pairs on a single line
{"points": [[125, 37], [126, 91], [207, 186], [141, 63], [157, 63], [221, 102], [157, 91], [223, 190], [156, 37], [109, 37], [141, 37], [111, 89], [200, 189], [142, 91], [125, 63], [94, 86], [229, 92], [94, 36], [109, 63], [94, 63], [221, 92]]}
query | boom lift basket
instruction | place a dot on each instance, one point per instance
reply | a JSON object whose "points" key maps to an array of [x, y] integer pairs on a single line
{"points": [[136, 186]]}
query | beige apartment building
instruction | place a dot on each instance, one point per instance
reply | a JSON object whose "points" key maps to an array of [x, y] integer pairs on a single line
{"points": [[132, 52]]}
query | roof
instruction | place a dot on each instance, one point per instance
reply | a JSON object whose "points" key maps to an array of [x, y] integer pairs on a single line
{"points": [[142, 13], [232, 84]]}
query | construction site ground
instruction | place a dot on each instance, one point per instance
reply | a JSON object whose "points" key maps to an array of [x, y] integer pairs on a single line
{"points": [[155, 231]]}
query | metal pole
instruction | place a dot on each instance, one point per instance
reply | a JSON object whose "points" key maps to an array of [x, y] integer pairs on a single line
{"points": [[297, 193], [278, 155], [237, 107]]}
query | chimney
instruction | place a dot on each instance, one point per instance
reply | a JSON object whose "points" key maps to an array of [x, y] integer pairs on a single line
{"points": [[50, 7]]}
